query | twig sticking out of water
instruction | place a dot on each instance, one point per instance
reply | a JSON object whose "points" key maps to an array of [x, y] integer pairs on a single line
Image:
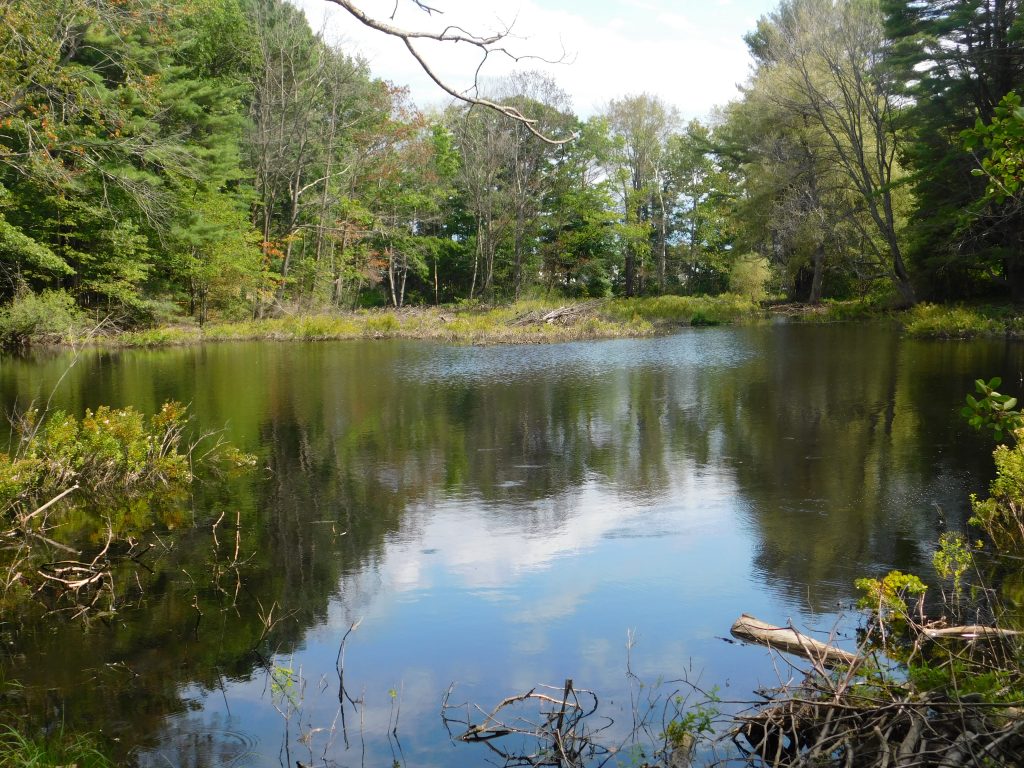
{"points": [[551, 729], [343, 694]]}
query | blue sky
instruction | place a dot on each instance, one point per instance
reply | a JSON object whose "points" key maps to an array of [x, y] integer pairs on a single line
{"points": [[688, 52]]}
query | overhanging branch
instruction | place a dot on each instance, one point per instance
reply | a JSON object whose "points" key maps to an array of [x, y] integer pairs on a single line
{"points": [[486, 44]]}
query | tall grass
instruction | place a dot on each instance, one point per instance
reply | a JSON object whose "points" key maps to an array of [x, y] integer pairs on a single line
{"points": [[19, 751], [686, 310], [956, 322], [471, 323]]}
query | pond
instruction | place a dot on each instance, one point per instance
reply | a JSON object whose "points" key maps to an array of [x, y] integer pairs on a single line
{"points": [[496, 518]]}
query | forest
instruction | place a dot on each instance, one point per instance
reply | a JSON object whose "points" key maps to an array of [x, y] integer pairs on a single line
{"points": [[218, 159]]}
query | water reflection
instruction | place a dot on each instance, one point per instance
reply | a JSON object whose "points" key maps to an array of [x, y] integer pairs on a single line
{"points": [[500, 517]]}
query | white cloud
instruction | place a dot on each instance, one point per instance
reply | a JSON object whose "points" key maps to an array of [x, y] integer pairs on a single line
{"points": [[690, 54]]}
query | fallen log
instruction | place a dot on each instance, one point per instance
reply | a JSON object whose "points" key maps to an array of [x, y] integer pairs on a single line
{"points": [[556, 313], [970, 632], [789, 640]]}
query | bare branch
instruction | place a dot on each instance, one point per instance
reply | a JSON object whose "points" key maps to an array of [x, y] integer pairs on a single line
{"points": [[486, 44]]}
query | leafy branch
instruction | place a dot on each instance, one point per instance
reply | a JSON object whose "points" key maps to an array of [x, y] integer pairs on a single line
{"points": [[993, 410]]}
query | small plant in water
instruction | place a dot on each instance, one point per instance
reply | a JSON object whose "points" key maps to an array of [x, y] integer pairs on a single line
{"points": [[69, 484], [952, 559], [889, 594]]}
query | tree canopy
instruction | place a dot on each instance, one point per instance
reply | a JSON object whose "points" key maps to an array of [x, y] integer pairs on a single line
{"points": [[219, 159]]}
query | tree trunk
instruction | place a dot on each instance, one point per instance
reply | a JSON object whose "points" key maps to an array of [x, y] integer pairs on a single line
{"points": [[818, 278], [1014, 271], [662, 237], [517, 264], [476, 259]]}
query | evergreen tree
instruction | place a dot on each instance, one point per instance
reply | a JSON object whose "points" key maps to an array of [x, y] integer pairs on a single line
{"points": [[955, 61]]}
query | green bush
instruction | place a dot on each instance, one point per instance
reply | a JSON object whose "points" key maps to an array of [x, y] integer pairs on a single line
{"points": [[934, 321], [382, 324], [691, 310], [1001, 515], [50, 316], [749, 277], [109, 452]]}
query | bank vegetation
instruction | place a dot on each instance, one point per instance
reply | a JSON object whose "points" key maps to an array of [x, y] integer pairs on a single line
{"points": [[217, 161]]}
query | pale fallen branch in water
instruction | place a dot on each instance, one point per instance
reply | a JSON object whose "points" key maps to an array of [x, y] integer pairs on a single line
{"points": [[789, 640], [970, 632]]}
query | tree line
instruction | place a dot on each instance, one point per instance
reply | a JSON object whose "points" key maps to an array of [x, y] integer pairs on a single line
{"points": [[218, 158]]}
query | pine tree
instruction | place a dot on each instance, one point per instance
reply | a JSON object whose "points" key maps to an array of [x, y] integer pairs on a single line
{"points": [[955, 61]]}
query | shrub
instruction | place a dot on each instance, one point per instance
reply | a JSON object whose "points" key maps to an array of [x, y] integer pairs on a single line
{"points": [[112, 475], [382, 324], [111, 451], [933, 321], [749, 277], [1001, 515], [993, 410], [50, 316], [692, 310]]}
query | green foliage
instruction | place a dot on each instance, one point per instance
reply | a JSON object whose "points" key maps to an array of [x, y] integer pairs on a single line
{"points": [[109, 453], [874, 305], [220, 157], [993, 410], [101, 484], [1001, 515], [952, 559], [380, 324], [954, 62], [694, 723], [890, 593], [59, 751], [749, 277], [1002, 141], [950, 322], [814, 140], [964, 676], [686, 310], [47, 317]]}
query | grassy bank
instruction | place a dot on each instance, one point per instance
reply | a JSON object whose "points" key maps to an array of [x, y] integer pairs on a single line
{"points": [[924, 321], [964, 322], [524, 322]]}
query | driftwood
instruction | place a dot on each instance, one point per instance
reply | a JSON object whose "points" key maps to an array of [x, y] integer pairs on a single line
{"points": [[849, 720], [970, 632], [789, 640], [564, 314]]}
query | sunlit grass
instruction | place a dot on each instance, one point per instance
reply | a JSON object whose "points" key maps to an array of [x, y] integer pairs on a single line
{"points": [[16, 749], [687, 310], [522, 322], [958, 322]]}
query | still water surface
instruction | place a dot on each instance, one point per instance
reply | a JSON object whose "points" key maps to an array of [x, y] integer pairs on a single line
{"points": [[498, 518]]}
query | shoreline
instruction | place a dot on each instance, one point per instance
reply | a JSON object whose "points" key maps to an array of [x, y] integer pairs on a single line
{"points": [[541, 321], [524, 322]]}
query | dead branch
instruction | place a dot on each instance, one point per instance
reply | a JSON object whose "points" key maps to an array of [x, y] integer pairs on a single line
{"points": [[564, 314], [554, 727], [487, 45], [789, 640], [970, 632], [43, 507]]}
